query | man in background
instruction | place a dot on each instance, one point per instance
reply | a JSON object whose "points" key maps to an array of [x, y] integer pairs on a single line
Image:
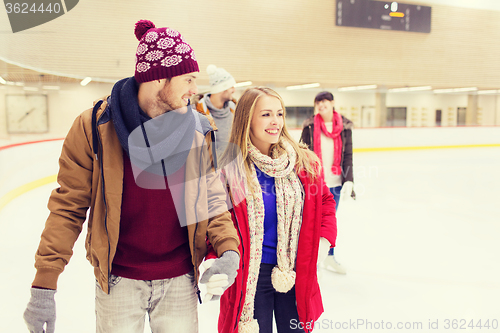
{"points": [[219, 104]]}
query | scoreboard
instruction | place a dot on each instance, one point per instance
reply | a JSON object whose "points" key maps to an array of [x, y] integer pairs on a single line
{"points": [[385, 15]]}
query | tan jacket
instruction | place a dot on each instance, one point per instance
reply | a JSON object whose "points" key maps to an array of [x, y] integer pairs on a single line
{"points": [[87, 181]]}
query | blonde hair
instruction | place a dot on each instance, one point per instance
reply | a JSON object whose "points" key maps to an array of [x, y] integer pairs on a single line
{"points": [[240, 135]]}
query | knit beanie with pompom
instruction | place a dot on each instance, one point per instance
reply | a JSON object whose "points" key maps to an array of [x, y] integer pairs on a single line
{"points": [[219, 79], [162, 53]]}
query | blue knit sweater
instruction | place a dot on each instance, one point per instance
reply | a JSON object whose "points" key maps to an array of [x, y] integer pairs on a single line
{"points": [[270, 218]]}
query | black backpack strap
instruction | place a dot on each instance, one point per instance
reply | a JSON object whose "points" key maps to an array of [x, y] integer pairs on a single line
{"points": [[214, 152], [95, 141]]}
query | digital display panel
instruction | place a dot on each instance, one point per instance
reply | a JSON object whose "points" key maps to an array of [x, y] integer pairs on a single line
{"points": [[385, 15]]}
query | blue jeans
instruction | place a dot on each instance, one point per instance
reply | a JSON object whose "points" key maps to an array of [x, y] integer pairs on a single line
{"points": [[336, 195], [170, 303], [268, 300]]}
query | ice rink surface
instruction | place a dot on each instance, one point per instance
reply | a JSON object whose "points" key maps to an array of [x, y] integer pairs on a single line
{"points": [[421, 245]]}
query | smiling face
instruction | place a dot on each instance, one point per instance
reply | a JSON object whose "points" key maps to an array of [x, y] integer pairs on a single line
{"points": [[325, 109], [266, 123], [176, 93]]}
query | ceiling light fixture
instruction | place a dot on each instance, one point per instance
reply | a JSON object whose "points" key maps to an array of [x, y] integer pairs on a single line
{"points": [[442, 91], [86, 81], [405, 89], [303, 86], [485, 92], [51, 87], [30, 88], [453, 90], [2, 80], [243, 84], [465, 89], [366, 87]]}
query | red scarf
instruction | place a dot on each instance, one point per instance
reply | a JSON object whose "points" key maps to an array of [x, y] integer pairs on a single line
{"points": [[338, 126]]}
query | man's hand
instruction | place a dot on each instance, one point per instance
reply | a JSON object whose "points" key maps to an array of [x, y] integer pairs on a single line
{"points": [[41, 309]]}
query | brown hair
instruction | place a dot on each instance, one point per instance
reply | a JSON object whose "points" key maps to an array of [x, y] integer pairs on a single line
{"points": [[323, 95]]}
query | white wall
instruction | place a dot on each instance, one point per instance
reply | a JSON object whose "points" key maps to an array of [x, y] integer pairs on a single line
{"points": [[72, 99], [3, 115], [488, 110], [64, 106], [420, 137], [421, 107], [497, 112]]}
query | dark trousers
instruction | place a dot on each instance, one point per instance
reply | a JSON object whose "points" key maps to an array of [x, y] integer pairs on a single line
{"points": [[336, 196], [268, 300]]}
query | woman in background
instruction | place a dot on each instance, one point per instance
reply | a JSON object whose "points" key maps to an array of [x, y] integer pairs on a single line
{"points": [[285, 215], [329, 135]]}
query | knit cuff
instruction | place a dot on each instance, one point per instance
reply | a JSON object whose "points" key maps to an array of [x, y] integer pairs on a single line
{"points": [[42, 297], [46, 278]]}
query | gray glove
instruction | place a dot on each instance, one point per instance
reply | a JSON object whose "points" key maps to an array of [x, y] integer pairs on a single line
{"points": [[220, 274], [41, 309]]}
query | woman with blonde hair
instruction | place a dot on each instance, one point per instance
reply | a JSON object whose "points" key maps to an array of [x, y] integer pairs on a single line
{"points": [[285, 215]]}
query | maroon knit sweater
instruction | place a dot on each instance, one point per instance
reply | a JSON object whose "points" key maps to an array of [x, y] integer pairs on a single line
{"points": [[152, 244]]}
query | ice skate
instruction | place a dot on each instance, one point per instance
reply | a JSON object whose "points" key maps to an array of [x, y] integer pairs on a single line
{"points": [[332, 265]]}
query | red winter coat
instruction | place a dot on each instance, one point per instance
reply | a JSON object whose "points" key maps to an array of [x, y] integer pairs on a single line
{"points": [[318, 221]]}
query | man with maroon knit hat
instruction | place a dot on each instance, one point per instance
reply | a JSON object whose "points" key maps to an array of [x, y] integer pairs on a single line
{"points": [[142, 160]]}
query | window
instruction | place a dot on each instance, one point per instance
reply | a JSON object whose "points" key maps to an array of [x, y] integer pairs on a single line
{"points": [[396, 117], [295, 115]]}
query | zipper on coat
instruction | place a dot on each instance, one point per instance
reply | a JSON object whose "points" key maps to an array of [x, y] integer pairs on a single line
{"points": [[242, 269], [196, 287], [101, 171], [241, 259], [242, 254], [198, 292]]}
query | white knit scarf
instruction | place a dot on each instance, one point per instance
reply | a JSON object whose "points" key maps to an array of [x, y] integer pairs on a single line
{"points": [[289, 199]]}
